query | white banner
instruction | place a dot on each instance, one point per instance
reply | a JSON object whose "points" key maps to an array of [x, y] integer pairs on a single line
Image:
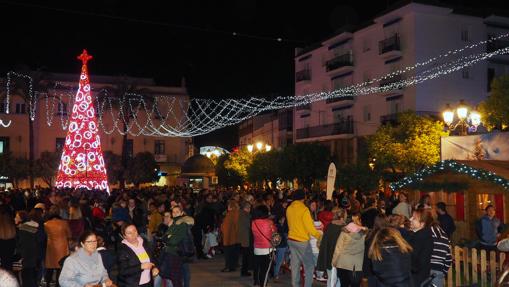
{"points": [[331, 180], [491, 146]]}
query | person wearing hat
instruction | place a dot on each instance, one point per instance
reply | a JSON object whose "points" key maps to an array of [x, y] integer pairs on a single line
{"points": [[300, 230]]}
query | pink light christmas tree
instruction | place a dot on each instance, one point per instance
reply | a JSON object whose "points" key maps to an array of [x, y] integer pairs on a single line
{"points": [[82, 162]]}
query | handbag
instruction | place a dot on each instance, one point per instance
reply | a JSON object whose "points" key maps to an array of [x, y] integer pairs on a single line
{"points": [[275, 239]]}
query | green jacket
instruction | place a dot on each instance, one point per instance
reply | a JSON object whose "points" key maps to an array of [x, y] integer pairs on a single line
{"points": [[176, 233]]}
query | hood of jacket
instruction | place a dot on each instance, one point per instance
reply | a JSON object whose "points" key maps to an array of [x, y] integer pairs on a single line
{"points": [[185, 219]]}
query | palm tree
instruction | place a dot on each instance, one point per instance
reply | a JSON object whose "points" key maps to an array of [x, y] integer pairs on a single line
{"points": [[123, 92], [41, 81]]}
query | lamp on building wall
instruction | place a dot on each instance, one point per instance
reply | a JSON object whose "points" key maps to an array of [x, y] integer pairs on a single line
{"points": [[467, 121]]}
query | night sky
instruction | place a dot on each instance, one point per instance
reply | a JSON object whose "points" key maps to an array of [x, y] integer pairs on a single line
{"points": [[168, 40]]}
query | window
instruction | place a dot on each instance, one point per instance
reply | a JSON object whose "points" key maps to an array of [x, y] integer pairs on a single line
{"points": [[59, 144], [395, 104], [4, 145], [367, 113], [130, 148], [20, 108], [62, 109], [465, 73], [159, 147], [465, 37]]}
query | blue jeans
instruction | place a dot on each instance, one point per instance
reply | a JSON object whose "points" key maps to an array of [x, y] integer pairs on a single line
{"points": [[280, 257], [439, 278], [186, 274], [158, 282], [301, 254]]}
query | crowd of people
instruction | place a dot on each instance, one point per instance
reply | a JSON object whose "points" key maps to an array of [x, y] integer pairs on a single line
{"points": [[148, 237]]}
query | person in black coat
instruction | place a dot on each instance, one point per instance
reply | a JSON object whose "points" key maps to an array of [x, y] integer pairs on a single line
{"points": [[445, 220], [27, 248], [134, 258], [328, 243], [422, 244], [390, 255]]}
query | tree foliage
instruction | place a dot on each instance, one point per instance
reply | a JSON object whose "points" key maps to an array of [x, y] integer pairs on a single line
{"points": [[409, 146], [46, 166], [357, 177], [239, 161], [113, 164], [226, 177], [16, 169], [495, 109], [142, 168], [266, 166], [306, 162]]}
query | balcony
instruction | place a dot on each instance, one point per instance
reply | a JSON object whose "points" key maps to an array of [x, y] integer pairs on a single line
{"points": [[304, 107], [391, 119], [161, 157], [303, 75], [339, 64], [340, 128], [386, 83], [340, 99], [390, 48], [497, 45]]}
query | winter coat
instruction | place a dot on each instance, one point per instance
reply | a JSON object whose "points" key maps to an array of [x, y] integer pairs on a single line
{"points": [[27, 245], [262, 232], [300, 223], [325, 218], [57, 247], [77, 227], [80, 269], [422, 245], [176, 232], [394, 269], [230, 228], [244, 229], [327, 246], [349, 251], [129, 266]]}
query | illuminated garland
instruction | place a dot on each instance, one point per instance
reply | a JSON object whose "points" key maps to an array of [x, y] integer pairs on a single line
{"points": [[178, 117], [455, 166]]}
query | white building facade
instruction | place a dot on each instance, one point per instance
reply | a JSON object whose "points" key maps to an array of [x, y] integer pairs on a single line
{"points": [[399, 38]]}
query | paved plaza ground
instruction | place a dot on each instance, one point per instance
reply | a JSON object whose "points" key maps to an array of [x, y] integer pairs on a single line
{"points": [[207, 273]]}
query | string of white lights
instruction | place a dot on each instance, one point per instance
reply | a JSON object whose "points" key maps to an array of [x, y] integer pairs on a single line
{"points": [[171, 116]]}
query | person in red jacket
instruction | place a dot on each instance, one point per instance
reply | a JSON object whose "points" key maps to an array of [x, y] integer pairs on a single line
{"points": [[325, 216], [262, 228]]}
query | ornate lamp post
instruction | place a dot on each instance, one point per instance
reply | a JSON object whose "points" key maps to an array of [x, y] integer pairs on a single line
{"points": [[466, 120]]}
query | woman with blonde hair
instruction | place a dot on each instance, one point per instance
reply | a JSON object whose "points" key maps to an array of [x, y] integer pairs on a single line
{"points": [[7, 239], [390, 255]]}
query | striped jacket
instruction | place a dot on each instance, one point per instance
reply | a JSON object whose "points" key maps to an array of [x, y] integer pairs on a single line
{"points": [[441, 257]]}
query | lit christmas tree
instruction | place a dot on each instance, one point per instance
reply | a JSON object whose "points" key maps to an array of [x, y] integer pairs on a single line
{"points": [[82, 162]]}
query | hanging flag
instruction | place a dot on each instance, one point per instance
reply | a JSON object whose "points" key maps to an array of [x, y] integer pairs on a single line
{"points": [[331, 180]]}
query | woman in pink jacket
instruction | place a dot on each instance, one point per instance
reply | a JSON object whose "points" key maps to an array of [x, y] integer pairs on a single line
{"points": [[262, 228]]}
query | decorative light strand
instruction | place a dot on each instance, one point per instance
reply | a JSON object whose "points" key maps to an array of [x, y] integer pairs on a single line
{"points": [[479, 174], [133, 113]]}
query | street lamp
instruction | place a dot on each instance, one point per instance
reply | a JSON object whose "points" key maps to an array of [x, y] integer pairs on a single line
{"points": [[466, 121], [268, 147], [250, 148], [259, 145]]}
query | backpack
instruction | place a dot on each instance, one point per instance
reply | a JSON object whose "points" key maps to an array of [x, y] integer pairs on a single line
{"points": [[186, 248]]}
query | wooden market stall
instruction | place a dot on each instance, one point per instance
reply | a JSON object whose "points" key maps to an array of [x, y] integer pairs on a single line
{"points": [[466, 187]]}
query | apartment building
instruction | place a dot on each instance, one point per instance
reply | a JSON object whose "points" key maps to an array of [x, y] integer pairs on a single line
{"points": [[274, 128], [169, 152], [405, 35]]}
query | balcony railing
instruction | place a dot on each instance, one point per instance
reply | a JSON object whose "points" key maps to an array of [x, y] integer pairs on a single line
{"points": [[343, 127], [389, 119], [391, 80], [339, 61], [303, 75], [304, 107], [497, 45], [334, 100], [389, 44]]}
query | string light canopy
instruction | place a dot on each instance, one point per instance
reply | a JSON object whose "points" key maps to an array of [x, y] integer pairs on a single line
{"points": [[82, 162], [455, 166], [170, 116]]}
